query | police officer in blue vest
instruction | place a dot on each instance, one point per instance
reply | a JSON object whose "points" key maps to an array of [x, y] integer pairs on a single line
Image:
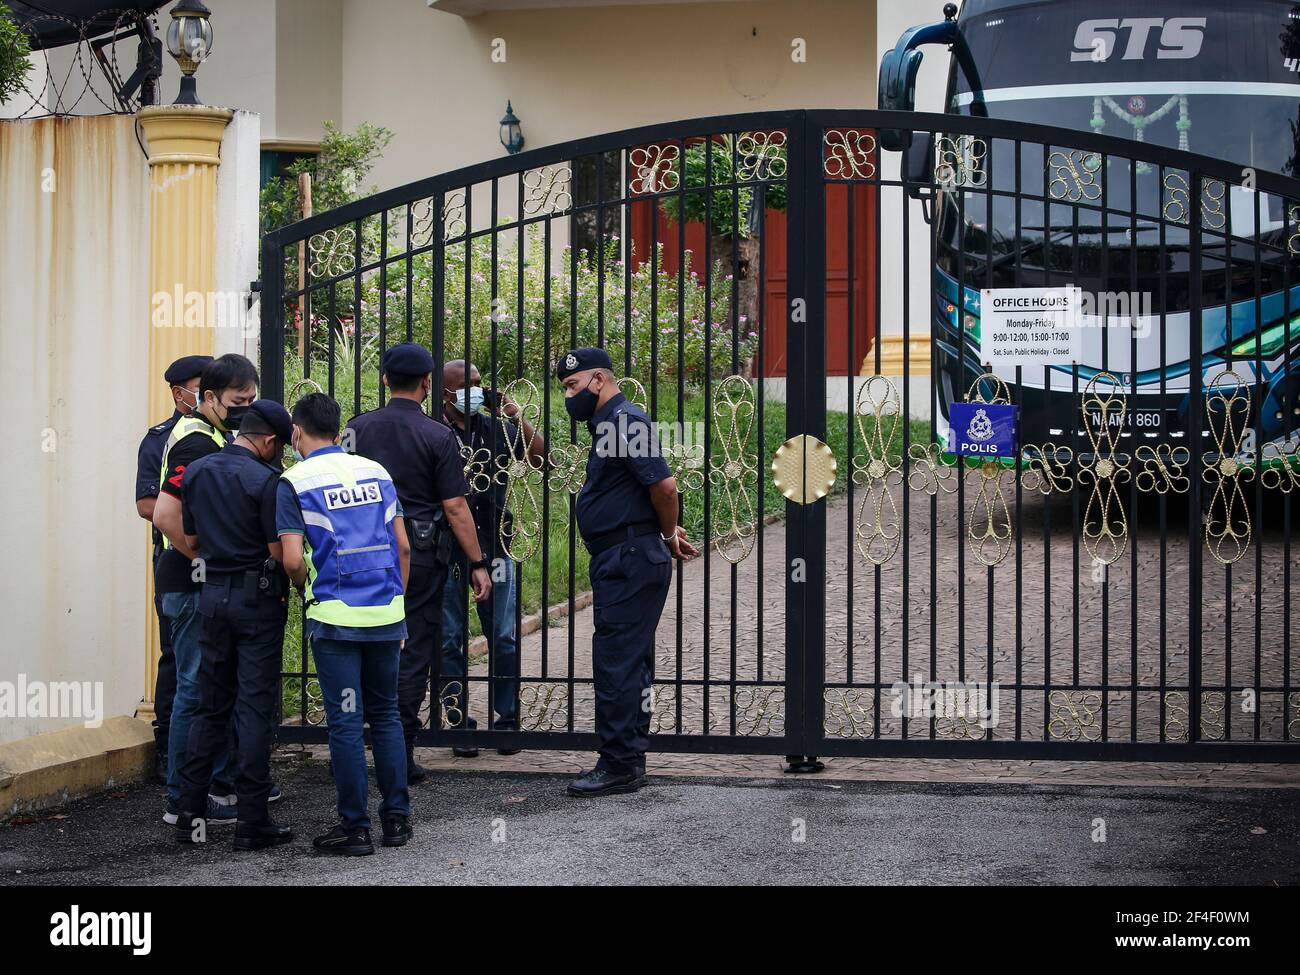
{"points": [[229, 505], [423, 457], [183, 378], [627, 515], [344, 541]]}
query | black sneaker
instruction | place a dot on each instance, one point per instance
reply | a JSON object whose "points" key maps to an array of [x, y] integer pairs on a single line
{"points": [[190, 828], [509, 751], [258, 836], [599, 782], [415, 773], [397, 830], [352, 843], [465, 752]]}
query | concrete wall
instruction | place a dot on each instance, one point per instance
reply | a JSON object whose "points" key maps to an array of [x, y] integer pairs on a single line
{"points": [[74, 300], [571, 72]]}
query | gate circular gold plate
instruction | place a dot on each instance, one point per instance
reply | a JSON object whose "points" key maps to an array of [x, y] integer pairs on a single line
{"points": [[804, 469]]}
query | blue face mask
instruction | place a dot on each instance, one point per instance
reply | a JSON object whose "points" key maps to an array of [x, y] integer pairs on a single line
{"points": [[475, 394]]}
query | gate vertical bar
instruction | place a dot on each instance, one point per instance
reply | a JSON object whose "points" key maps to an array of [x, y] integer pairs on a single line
{"points": [[796, 532], [1196, 426], [271, 311]]}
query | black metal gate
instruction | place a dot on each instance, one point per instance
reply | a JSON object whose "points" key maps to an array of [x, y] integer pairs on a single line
{"points": [[800, 310]]}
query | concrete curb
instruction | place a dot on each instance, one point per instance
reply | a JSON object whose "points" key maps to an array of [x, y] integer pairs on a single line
{"points": [[47, 770]]}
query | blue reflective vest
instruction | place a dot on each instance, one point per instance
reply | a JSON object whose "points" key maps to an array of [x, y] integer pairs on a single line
{"points": [[348, 504]]}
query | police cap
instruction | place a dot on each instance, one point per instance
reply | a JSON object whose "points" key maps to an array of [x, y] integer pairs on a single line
{"points": [[408, 359], [186, 368], [276, 417], [580, 360]]}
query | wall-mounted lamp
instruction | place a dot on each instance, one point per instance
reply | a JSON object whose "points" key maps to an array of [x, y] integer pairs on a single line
{"points": [[512, 136]]}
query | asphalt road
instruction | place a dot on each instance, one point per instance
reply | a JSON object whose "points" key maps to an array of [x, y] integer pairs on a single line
{"points": [[700, 831]]}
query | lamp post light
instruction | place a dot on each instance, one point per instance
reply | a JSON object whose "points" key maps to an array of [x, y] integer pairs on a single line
{"points": [[189, 40], [512, 136]]}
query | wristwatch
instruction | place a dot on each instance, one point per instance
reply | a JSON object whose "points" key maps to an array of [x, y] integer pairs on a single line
{"points": [[480, 564]]}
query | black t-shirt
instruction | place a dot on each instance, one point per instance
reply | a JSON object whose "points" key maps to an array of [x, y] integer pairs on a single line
{"points": [[229, 501], [494, 442], [174, 573]]}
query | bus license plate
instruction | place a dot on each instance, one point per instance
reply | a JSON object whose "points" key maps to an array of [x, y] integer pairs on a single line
{"points": [[1141, 421]]}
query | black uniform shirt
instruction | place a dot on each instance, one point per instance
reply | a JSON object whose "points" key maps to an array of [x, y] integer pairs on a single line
{"points": [[148, 467], [494, 442], [420, 454], [174, 572], [229, 502], [625, 460]]}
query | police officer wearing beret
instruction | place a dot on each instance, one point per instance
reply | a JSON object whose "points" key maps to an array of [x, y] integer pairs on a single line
{"points": [[627, 515], [423, 458], [183, 378], [229, 504]]}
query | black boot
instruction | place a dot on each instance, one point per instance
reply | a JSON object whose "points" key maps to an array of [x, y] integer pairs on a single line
{"points": [[258, 836], [414, 773], [599, 782], [190, 828]]}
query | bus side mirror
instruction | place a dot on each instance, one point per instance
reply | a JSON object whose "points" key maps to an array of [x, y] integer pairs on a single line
{"points": [[897, 88], [918, 163]]}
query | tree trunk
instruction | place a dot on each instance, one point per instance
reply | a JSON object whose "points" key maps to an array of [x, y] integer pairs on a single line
{"points": [[740, 256]]}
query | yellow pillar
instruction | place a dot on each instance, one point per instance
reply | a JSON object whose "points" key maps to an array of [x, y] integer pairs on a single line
{"points": [[892, 350], [184, 143]]}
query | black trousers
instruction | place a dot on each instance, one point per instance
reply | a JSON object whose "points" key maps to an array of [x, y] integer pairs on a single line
{"points": [[423, 635], [241, 641], [164, 688], [629, 584]]}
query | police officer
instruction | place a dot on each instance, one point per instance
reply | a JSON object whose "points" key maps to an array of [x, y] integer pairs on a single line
{"points": [[627, 515], [423, 457], [183, 378], [229, 503], [227, 387], [498, 440]]}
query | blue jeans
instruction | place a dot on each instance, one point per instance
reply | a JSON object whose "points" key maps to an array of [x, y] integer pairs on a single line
{"points": [[345, 667], [181, 610], [497, 617]]}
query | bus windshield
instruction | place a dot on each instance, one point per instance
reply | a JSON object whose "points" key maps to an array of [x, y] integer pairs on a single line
{"points": [[1220, 79]]}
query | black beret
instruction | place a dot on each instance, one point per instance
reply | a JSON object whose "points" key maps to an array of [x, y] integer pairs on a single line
{"points": [[276, 417], [408, 359], [580, 360], [186, 368]]}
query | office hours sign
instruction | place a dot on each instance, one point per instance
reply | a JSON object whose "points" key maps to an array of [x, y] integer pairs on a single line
{"points": [[1030, 327]]}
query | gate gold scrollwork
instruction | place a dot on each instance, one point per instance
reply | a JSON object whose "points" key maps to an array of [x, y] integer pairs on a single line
{"points": [[686, 461], [568, 467], [1281, 466], [315, 699], [1177, 719], [1293, 242], [1293, 726], [761, 156], [1105, 523], [1227, 522], [760, 711], [633, 391], [849, 712], [1178, 206], [656, 168], [960, 162], [450, 712], [477, 474], [929, 473], [546, 190], [847, 154], [543, 706], [453, 215], [1047, 469], [735, 471], [521, 476], [990, 530], [1074, 175], [332, 253], [1162, 468], [959, 727], [878, 415], [1075, 715]]}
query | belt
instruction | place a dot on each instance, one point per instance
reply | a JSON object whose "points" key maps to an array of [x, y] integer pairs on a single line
{"points": [[607, 540]]}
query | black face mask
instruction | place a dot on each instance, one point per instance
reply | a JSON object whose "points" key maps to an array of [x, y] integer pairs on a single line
{"points": [[582, 406], [235, 416]]}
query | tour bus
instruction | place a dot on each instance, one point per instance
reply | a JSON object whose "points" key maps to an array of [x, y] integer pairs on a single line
{"points": [[1218, 78]]}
